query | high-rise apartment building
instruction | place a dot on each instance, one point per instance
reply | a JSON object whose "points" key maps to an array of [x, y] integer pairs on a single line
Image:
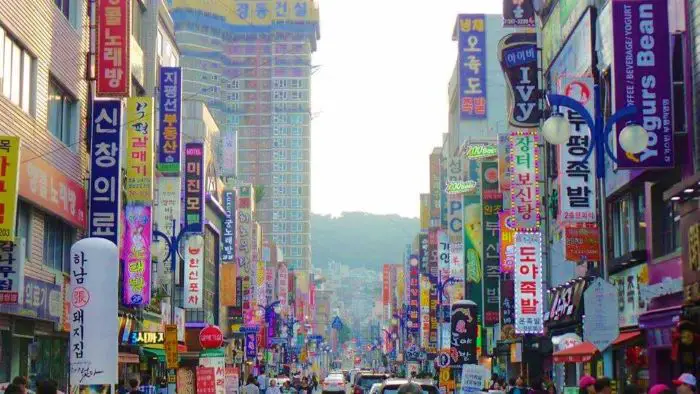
{"points": [[250, 61]]}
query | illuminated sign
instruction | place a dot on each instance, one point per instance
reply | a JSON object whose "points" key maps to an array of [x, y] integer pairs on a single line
{"points": [[461, 187], [480, 151], [146, 338]]}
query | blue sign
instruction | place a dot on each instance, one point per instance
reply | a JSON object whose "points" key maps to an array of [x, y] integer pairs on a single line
{"points": [[42, 300], [413, 353], [249, 329], [170, 116], [472, 66], [105, 170], [251, 346], [227, 254], [337, 324]]}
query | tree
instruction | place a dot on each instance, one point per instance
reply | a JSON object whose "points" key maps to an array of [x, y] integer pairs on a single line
{"points": [[259, 193]]}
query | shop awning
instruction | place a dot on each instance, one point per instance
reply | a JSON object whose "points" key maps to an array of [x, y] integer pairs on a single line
{"points": [[627, 336], [158, 353], [580, 353], [128, 358]]}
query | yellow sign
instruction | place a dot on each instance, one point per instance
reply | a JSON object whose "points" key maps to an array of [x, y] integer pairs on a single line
{"points": [[171, 360], [9, 172], [139, 149], [256, 12]]}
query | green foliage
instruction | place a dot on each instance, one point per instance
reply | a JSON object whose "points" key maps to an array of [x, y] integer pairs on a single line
{"points": [[259, 193], [345, 334], [360, 240]]}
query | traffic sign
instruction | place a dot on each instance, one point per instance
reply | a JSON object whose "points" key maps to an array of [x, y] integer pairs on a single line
{"points": [[337, 324]]}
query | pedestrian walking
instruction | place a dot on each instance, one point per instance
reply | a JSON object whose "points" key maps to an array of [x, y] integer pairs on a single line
{"points": [[262, 382], [250, 388], [147, 387], [519, 387], [603, 386], [273, 389], [586, 385], [47, 387], [660, 389], [686, 384], [134, 385]]}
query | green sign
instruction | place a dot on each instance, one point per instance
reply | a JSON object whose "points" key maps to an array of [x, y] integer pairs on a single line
{"points": [[492, 204], [481, 151], [461, 187]]}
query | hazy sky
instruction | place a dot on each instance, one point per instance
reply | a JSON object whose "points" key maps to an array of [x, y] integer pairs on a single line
{"points": [[381, 100]]}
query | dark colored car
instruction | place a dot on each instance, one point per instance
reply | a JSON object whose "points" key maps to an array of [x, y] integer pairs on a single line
{"points": [[364, 381]]}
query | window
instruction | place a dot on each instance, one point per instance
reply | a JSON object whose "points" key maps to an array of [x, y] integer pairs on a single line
{"points": [[296, 239], [17, 73], [278, 203], [295, 203], [629, 227], [136, 21], [666, 218], [65, 7], [23, 225], [58, 238], [62, 112], [280, 190], [279, 167], [296, 227], [278, 179]]}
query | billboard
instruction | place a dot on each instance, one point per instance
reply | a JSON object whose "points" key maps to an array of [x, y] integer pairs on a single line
{"points": [[194, 187], [517, 53], [170, 120], [136, 254], [491, 205], [112, 63], [529, 304], [463, 332], [138, 184], [472, 66], [9, 172], [518, 13], [524, 185]]}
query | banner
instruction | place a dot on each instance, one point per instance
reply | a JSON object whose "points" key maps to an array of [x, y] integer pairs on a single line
{"points": [[433, 278], [642, 77], [423, 252], [112, 64], [194, 187], [170, 120], [251, 346], [167, 220], [529, 304], [577, 196], [194, 272], [283, 284], [524, 186], [228, 160], [472, 66], [170, 345], [463, 332], [385, 281], [504, 166], [206, 380], [507, 241], [507, 310], [228, 240], [105, 170], [9, 172], [443, 256], [94, 266], [138, 184], [12, 257], [228, 284], [425, 311], [491, 205], [518, 13], [136, 254], [413, 323], [517, 53]]}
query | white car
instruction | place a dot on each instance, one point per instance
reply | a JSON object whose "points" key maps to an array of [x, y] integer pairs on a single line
{"points": [[334, 384], [375, 388]]}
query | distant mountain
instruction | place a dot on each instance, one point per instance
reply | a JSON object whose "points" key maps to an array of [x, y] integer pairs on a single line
{"points": [[359, 239]]}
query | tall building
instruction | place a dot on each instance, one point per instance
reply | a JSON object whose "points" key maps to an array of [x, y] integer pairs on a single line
{"points": [[251, 63]]}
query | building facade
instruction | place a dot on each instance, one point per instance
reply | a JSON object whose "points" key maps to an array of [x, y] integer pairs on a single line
{"points": [[253, 69]]}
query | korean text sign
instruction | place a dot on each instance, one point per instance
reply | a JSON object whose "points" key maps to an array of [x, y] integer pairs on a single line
{"points": [[642, 77], [51, 189], [170, 115], [194, 187], [167, 215], [433, 280], [507, 240], [577, 197], [472, 65], [94, 265], [12, 255], [136, 254], [528, 284], [105, 170], [139, 149], [524, 186], [9, 172], [228, 247], [194, 272], [463, 332], [113, 44], [42, 300], [491, 205], [517, 53], [518, 13], [413, 295]]}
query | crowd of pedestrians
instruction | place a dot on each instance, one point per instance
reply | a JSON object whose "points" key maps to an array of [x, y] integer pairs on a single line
{"points": [[263, 384], [20, 385], [685, 384]]}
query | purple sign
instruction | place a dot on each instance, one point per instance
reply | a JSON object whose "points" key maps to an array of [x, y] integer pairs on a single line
{"points": [[42, 300], [170, 120], [227, 254], [251, 346], [642, 72], [472, 65], [136, 255]]}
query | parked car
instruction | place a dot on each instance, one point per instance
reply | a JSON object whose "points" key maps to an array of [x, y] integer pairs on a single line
{"points": [[364, 381], [391, 386], [334, 383]]}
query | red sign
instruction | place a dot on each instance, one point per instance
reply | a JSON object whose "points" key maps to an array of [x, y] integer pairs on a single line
{"points": [[53, 191], [386, 278], [211, 337], [206, 381], [113, 43], [582, 244]]}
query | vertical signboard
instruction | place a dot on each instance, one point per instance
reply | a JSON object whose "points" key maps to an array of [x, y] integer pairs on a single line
{"points": [[473, 247], [94, 264], [472, 66], [136, 254], [517, 53], [425, 287], [170, 345], [524, 186], [642, 77], [244, 228], [435, 188], [138, 184], [504, 165], [443, 255], [170, 117], [413, 299], [600, 323], [463, 332], [433, 277], [9, 187], [251, 346], [167, 218], [507, 310], [577, 197], [194, 187], [423, 252], [105, 170], [230, 149], [194, 272], [283, 284], [529, 318], [491, 205], [228, 284], [507, 241], [112, 61], [12, 256], [227, 250], [518, 13], [386, 273], [424, 210]]}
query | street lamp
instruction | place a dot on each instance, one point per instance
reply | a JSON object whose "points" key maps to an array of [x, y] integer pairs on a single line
{"points": [[271, 310], [633, 139], [441, 286]]}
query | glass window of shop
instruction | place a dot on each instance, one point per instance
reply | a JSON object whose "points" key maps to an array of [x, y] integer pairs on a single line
{"points": [[49, 357], [628, 224], [665, 218]]}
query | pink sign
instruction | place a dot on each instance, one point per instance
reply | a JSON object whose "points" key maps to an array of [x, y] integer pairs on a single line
{"points": [[136, 254], [283, 285]]}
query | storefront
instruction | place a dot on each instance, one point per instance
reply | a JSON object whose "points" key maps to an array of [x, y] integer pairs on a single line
{"points": [[128, 362]]}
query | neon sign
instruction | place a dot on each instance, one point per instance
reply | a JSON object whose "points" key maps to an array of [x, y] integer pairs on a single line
{"points": [[460, 187], [481, 151]]}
